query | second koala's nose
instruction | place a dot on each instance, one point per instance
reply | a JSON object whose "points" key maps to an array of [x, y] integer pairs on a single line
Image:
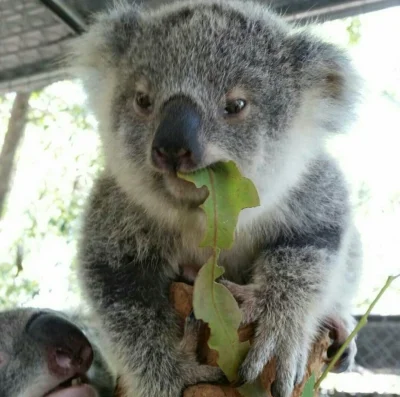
{"points": [[68, 351], [176, 144]]}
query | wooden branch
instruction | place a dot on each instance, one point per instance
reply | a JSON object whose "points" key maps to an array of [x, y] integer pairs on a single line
{"points": [[12, 139], [182, 295]]}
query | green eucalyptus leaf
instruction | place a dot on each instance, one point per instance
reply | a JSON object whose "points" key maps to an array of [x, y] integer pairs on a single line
{"points": [[229, 193], [214, 304]]}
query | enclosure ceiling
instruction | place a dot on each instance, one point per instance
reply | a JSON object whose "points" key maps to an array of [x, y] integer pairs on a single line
{"points": [[34, 33]]}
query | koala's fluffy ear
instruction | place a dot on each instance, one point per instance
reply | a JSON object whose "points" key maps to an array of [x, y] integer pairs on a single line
{"points": [[106, 40], [327, 73]]}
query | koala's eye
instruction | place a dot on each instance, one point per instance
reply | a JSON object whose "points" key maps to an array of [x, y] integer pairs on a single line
{"points": [[143, 102], [235, 106]]}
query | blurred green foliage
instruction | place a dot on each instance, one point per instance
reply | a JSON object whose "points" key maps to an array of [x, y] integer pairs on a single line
{"points": [[353, 29], [56, 163], [14, 288]]}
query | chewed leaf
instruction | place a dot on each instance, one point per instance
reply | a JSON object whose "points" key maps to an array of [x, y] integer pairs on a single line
{"points": [[230, 192], [214, 304]]}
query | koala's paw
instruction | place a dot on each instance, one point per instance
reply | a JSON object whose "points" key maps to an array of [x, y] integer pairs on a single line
{"points": [[194, 372], [276, 336], [339, 330], [190, 339], [287, 346], [207, 374]]}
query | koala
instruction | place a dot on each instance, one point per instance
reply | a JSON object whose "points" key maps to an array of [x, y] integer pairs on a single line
{"points": [[45, 353], [182, 87]]}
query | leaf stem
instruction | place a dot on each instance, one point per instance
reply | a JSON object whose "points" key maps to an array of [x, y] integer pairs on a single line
{"points": [[363, 321]]}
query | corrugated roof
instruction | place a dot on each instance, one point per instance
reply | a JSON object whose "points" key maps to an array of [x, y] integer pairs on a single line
{"points": [[34, 33]]}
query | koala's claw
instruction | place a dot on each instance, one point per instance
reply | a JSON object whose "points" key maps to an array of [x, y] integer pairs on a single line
{"points": [[281, 388], [290, 353], [238, 382], [277, 390], [191, 320], [214, 375], [301, 367]]}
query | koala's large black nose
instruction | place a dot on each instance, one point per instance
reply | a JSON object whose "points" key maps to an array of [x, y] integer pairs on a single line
{"points": [[176, 143], [68, 351]]}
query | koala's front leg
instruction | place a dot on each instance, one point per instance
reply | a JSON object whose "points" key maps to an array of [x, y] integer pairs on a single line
{"points": [[132, 300], [287, 298]]}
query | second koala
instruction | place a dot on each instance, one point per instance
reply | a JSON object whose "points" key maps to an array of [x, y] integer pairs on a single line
{"points": [[183, 87], [47, 353]]}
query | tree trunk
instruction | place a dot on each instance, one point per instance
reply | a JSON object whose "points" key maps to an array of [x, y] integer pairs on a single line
{"points": [[13, 137], [182, 295]]}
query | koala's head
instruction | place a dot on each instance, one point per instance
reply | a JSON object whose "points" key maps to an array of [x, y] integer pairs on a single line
{"points": [[191, 84], [43, 354]]}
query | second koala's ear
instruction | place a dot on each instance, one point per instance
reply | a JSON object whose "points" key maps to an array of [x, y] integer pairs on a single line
{"points": [[327, 73], [107, 38]]}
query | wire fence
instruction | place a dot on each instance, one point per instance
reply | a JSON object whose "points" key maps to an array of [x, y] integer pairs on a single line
{"points": [[32, 39], [379, 345]]}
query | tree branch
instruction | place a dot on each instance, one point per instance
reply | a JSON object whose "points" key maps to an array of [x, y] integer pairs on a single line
{"points": [[182, 296], [12, 139]]}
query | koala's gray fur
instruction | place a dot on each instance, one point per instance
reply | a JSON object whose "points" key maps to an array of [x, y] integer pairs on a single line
{"points": [[24, 366], [298, 252]]}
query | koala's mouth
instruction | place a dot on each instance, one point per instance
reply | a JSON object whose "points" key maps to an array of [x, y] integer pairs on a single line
{"points": [[184, 190], [74, 387]]}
